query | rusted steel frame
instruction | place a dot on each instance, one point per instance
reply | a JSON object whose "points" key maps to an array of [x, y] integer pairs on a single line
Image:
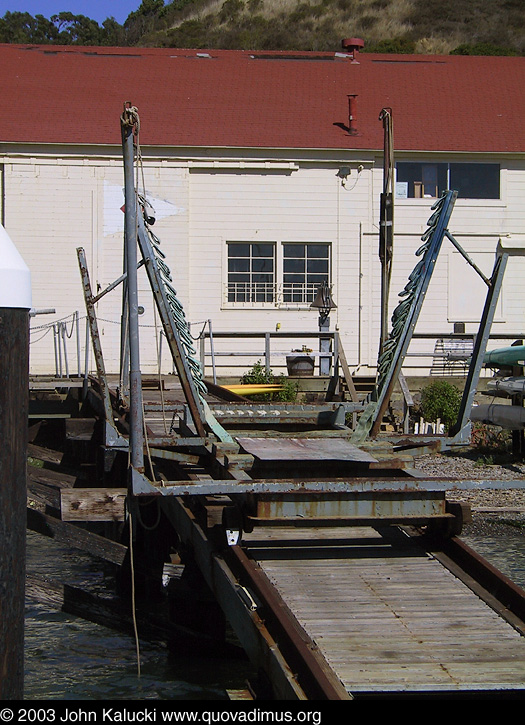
{"points": [[313, 672], [175, 442], [129, 124], [400, 484], [502, 594], [485, 580], [174, 342], [430, 258], [302, 522], [259, 644], [480, 343]]}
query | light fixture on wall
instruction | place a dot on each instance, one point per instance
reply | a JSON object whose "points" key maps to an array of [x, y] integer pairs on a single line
{"points": [[323, 302], [345, 171]]}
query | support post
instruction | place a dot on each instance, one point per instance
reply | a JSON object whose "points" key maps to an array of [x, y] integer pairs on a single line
{"points": [[15, 303], [386, 222], [136, 439]]}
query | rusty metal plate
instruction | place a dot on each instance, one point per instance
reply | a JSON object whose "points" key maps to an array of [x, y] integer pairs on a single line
{"points": [[304, 449]]}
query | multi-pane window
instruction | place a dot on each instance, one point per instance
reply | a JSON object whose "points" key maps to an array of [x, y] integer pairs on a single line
{"points": [[305, 268], [470, 180], [251, 272]]}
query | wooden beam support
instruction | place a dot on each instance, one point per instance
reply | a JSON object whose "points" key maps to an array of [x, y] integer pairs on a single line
{"points": [[93, 504], [72, 535]]}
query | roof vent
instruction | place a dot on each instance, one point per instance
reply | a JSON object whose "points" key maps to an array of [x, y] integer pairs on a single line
{"points": [[352, 45]]}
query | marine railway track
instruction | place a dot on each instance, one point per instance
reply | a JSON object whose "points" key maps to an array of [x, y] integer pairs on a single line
{"points": [[376, 609]]}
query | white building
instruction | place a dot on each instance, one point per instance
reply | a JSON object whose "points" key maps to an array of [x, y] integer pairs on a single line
{"points": [[265, 171]]}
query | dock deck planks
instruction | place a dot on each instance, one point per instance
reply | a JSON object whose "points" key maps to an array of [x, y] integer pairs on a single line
{"points": [[390, 618]]}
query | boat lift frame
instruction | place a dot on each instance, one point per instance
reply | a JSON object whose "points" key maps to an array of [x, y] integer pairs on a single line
{"points": [[396, 498]]}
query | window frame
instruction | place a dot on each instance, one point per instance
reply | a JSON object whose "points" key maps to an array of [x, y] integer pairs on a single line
{"points": [[306, 293], [251, 295], [444, 180], [231, 300]]}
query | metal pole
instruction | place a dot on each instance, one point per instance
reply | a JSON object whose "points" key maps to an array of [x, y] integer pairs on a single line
{"points": [[15, 303], [59, 350], [212, 350], [386, 230], [129, 122], [56, 350], [77, 325], [63, 334], [86, 363]]}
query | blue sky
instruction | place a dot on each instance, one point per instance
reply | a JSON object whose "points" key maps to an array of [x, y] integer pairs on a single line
{"points": [[98, 10]]}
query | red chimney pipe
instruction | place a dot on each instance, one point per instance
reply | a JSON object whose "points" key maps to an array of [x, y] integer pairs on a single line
{"points": [[352, 45], [352, 102]]}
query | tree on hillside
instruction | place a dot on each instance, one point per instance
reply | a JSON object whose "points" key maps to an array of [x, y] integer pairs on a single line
{"points": [[20, 27], [143, 20], [62, 29]]}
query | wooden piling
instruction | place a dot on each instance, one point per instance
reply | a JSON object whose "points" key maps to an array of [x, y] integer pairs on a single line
{"points": [[14, 345], [15, 303]]}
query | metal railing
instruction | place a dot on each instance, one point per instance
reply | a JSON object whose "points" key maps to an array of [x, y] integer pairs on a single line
{"points": [[294, 293], [213, 355]]}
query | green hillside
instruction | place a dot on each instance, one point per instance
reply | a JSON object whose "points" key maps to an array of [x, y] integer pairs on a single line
{"points": [[480, 27]]}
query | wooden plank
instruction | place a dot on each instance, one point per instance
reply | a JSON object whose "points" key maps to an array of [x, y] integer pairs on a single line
{"points": [[47, 477], [346, 373], [304, 449], [93, 504], [389, 617], [48, 495], [44, 454], [80, 429], [72, 535]]}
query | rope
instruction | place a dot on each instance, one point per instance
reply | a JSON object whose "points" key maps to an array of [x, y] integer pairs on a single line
{"points": [[133, 605]]}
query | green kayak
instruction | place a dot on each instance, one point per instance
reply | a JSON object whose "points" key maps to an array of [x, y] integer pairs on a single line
{"points": [[513, 355]]}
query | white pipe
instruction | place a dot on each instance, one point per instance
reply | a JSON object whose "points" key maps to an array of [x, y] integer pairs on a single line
{"points": [[510, 417]]}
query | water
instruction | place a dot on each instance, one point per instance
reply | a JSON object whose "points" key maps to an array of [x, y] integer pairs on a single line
{"points": [[502, 544], [68, 658]]}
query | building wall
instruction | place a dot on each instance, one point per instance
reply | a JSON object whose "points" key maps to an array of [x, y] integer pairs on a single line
{"points": [[54, 203]]}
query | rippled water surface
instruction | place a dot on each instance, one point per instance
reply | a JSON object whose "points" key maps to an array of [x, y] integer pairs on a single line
{"points": [[68, 658], [501, 544]]}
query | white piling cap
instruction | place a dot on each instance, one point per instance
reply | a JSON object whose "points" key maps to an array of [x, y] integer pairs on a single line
{"points": [[15, 277]]}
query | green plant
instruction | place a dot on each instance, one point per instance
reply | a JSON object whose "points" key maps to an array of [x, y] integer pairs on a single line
{"points": [[258, 375], [484, 461], [440, 401]]}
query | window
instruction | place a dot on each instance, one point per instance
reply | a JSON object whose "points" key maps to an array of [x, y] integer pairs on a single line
{"points": [[471, 181], [305, 267], [251, 272]]}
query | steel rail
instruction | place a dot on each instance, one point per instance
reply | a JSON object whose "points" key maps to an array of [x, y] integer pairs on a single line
{"points": [[491, 585], [313, 673]]}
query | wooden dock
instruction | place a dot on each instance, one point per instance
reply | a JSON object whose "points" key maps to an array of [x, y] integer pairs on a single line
{"points": [[387, 616]]}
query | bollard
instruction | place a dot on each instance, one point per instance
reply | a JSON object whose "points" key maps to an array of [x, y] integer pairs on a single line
{"points": [[15, 303]]}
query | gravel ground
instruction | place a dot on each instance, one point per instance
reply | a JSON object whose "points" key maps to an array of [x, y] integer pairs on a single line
{"points": [[469, 464]]}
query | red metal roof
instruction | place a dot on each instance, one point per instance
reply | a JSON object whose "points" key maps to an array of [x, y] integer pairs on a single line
{"points": [[217, 98]]}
